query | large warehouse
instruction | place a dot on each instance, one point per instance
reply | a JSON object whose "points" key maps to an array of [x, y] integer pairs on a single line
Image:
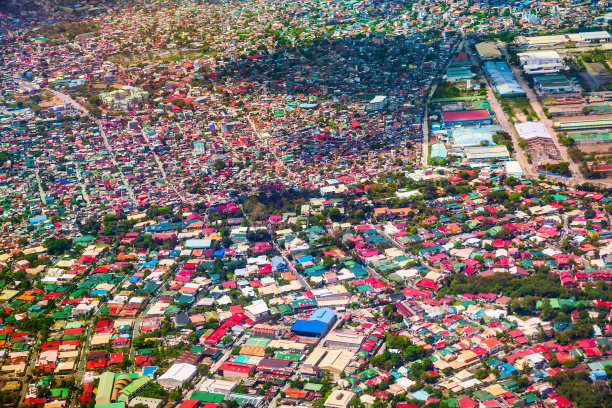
{"points": [[502, 78], [530, 131], [472, 117], [177, 375], [317, 325], [485, 154], [541, 62]]}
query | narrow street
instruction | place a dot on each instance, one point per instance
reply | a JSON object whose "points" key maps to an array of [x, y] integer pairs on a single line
{"points": [[82, 185], [40, 190], [78, 106]]}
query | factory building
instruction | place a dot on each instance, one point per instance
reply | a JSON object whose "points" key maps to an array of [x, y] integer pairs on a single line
{"points": [[317, 325]]}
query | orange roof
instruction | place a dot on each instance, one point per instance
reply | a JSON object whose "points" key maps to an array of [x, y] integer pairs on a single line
{"points": [[295, 393], [288, 275], [491, 342]]}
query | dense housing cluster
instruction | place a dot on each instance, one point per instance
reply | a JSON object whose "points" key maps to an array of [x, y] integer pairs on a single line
{"points": [[319, 204]]}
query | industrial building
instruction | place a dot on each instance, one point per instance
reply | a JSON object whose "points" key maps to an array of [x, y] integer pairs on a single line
{"points": [[334, 361], [472, 137], [476, 155], [532, 131], [177, 375], [456, 74], [541, 62], [473, 117], [502, 79], [344, 340], [591, 137], [539, 142], [583, 125], [553, 83], [513, 168], [217, 386], [561, 39], [317, 325], [438, 151]]}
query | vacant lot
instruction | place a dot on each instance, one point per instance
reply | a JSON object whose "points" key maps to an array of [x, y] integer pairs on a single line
{"points": [[598, 148]]}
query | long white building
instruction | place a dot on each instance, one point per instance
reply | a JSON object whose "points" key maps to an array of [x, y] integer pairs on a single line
{"points": [[541, 62]]}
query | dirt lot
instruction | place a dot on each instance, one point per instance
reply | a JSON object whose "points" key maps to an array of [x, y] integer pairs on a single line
{"points": [[580, 118], [599, 148], [51, 102]]}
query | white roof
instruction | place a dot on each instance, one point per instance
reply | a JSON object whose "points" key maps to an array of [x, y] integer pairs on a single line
{"points": [[180, 372], [257, 307], [532, 130], [595, 35], [540, 55], [513, 167]]}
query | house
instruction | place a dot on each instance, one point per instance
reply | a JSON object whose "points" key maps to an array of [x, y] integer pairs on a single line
{"points": [[339, 399], [279, 264], [257, 310]]}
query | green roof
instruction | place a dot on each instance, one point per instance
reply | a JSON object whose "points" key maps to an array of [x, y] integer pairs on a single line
{"points": [[207, 397], [587, 124], [135, 386], [111, 405], [312, 387], [105, 385]]}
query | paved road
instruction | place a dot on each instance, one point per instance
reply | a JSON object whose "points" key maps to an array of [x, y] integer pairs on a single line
{"points": [[40, 190], [577, 177], [398, 246], [503, 119], [82, 185]]}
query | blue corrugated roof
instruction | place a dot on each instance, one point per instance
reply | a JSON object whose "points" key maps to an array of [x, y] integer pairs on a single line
{"points": [[324, 314], [309, 326]]}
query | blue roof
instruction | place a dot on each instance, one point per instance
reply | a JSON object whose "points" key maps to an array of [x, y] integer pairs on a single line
{"points": [[309, 326], [324, 314], [421, 395], [38, 218], [277, 260], [149, 371], [305, 258], [317, 323]]}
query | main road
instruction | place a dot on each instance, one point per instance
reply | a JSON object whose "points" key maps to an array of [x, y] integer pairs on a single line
{"points": [[577, 177], [503, 120]]}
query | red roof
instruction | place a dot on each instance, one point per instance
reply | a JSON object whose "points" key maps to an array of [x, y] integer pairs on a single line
{"points": [[190, 403], [473, 114], [236, 367]]}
